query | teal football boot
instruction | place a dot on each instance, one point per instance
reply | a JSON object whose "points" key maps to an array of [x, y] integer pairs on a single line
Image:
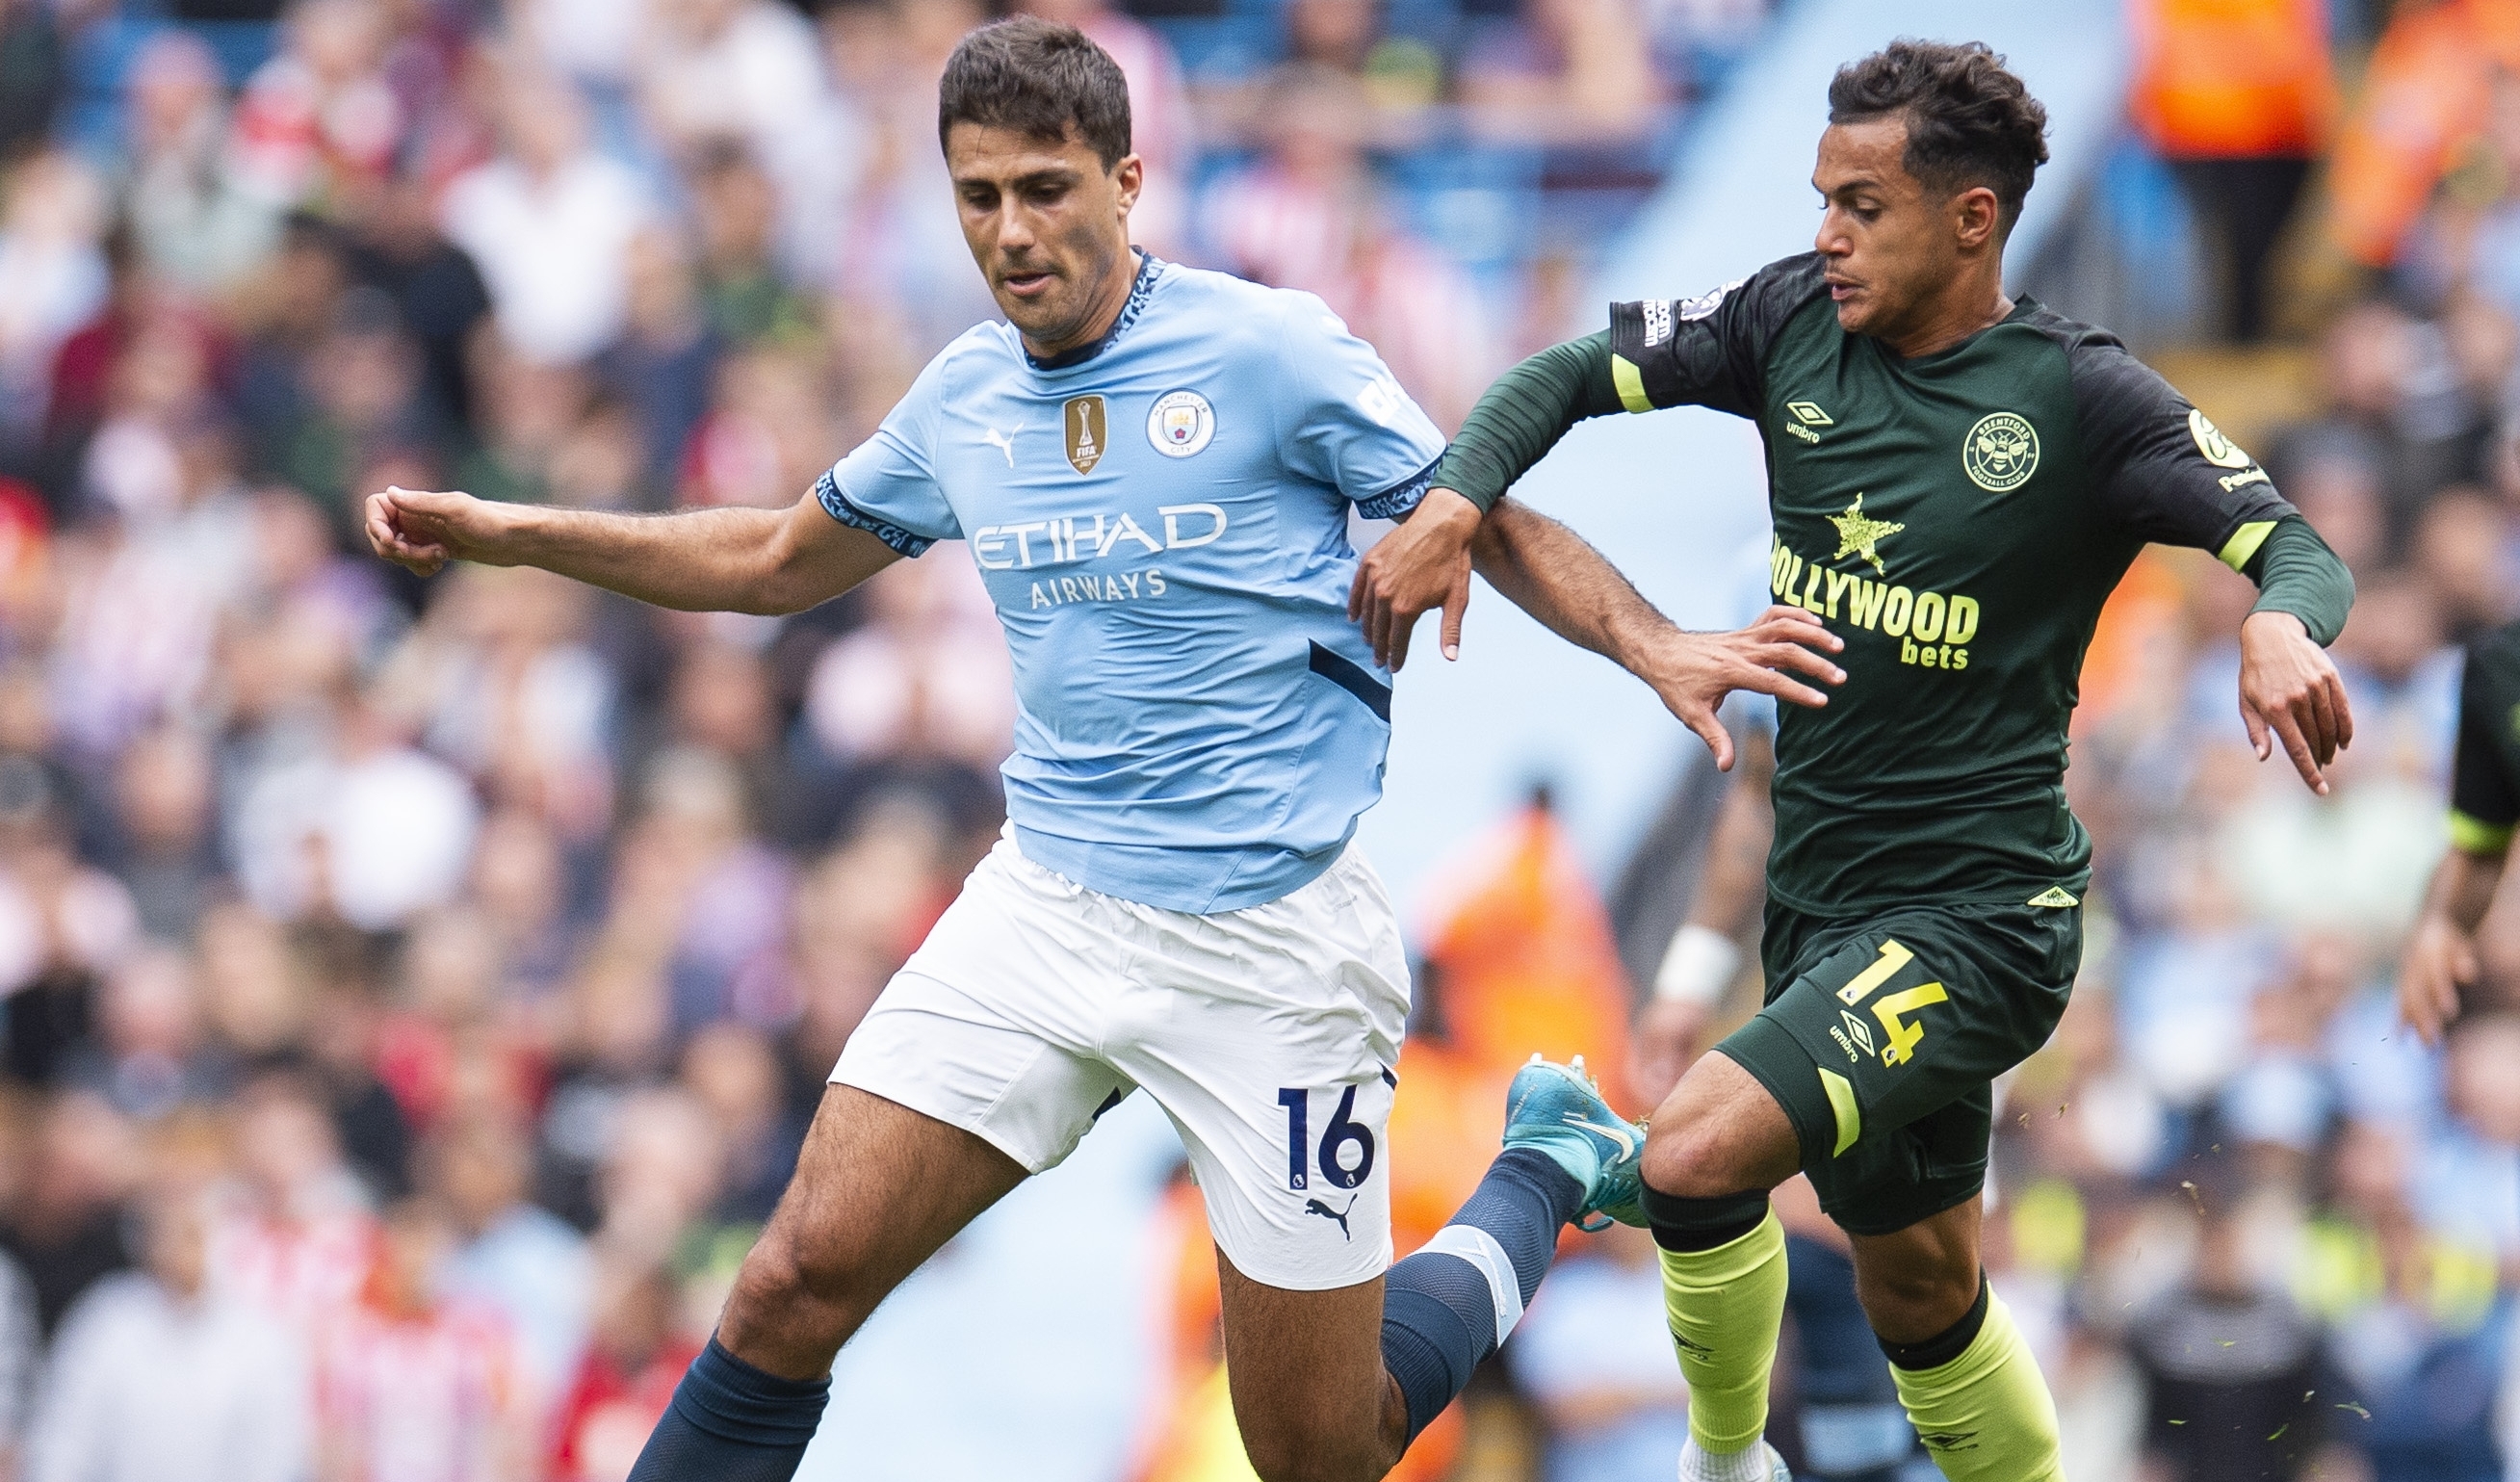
{"points": [[1557, 1109]]}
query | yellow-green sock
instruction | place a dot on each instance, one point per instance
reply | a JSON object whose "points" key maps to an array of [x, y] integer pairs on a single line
{"points": [[1986, 1415], [1726, 1307]]}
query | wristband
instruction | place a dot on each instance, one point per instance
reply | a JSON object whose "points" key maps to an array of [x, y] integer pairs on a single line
{"points": [[1698, 967]]}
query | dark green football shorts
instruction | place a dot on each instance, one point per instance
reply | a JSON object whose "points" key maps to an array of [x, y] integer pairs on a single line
{"points": [[1882, 1036]]}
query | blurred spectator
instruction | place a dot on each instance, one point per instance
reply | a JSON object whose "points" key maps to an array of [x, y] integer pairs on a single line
{"points": [[320, 120], [1595, 1353], [637, 1356], [165, 853], [147, 1057], [33, 73], [409, 1385], [741, 289], [434, 286], [510, 1256], [68, 1232], [1566, 72], [295, 1238], [549, 223], [748, 71], [52, 279], [161, 1375], [2232, 1367], [198, 222], [2242, 98], [731, 1071], [668, 351]]}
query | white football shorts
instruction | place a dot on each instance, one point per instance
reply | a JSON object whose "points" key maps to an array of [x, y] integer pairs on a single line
{"points": [[1269, 1036]]}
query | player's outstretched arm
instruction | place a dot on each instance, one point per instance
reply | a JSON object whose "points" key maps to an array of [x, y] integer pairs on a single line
{"points": [[766, 561], [1424, 564], [1551, 573], [2441, 954]]}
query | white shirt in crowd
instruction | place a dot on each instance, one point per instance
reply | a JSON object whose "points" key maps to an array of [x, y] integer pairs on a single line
{"points": [[552, 251], [146, 1388]]}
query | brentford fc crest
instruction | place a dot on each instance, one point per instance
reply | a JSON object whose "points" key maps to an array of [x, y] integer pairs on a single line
{"points": [[1088, 431], [1181, 423]]}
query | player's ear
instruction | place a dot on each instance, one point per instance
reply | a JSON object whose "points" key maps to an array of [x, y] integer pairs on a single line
{"points": [[1977, 218], [1129, 176]]}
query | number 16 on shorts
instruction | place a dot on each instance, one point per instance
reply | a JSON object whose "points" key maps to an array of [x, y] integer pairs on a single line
{"points": [[1345, 1152]]}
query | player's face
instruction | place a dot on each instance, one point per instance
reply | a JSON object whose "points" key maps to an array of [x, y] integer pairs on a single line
{"points": [[1049, 227], [1889, 240]]}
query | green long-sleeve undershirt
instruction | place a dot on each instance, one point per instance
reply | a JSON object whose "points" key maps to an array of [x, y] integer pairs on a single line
{"points": [[1539, 401]]}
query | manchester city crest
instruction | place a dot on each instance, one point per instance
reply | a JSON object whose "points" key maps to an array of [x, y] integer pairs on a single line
{"points": [[1180, 423], [2001, 452]]}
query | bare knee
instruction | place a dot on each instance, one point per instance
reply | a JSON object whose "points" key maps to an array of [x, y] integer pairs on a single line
{"points": [[1299, 1454], [1692, 1162], [1919, 1296], [795, 1302], [1719, 1132]]}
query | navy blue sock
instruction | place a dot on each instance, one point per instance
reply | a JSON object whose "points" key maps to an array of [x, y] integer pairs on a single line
{"points": [[731, 1423], [1446, 1307]]}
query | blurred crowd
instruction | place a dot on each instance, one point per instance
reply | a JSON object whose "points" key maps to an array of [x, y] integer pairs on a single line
{"points": [[412, 995]]}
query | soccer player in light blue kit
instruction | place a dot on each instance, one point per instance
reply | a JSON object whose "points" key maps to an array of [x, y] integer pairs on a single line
{"points": [[1153, 468]]}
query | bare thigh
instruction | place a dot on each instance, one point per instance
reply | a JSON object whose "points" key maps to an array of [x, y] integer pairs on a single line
{"points": [[878, 1188], [1309, 1389]]}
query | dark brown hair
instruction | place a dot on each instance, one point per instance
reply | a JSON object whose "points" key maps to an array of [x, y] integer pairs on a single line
{"points": [[1039, 78], [1970, 122]]}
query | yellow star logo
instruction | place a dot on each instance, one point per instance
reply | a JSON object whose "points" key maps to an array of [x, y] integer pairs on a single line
{"points": [[1857, 535]]}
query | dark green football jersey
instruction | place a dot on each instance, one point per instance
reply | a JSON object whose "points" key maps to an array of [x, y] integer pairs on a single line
{"points": [[2485, 770], [1959, 520]]}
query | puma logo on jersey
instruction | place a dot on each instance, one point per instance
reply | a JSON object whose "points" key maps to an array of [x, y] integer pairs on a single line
{"points": [[1339, 1216], [1004, 442]]}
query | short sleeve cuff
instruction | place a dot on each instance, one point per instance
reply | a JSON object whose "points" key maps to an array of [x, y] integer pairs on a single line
{"points": [[2474, 836], [827, 491], [1402, 497]]}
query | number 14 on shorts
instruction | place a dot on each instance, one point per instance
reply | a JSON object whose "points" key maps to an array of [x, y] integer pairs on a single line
{"points": [[1345, 1152]]}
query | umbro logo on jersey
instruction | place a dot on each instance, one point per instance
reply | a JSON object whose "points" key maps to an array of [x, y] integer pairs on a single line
{"points": [[1809, 414], [1004, 442], [1089, 431], [1858, 1031], [2055, 898], [1339, 1216]]}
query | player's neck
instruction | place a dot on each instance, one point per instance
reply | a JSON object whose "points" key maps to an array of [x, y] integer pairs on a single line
{"points": [[1974, 301], [1112, 299]]}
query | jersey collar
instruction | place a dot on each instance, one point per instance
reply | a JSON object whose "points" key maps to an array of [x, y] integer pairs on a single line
{"points": [[1149, 268]]}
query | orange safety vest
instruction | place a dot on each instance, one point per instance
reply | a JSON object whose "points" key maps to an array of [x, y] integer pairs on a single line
{"points": [[2232, 78], [2425, 97]]}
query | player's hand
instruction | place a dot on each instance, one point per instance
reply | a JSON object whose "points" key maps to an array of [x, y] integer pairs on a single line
{"points": [[1424, 564], [1693, 672], [2291, 692], [2441, 960], [424, 531], [1663, 1046]]}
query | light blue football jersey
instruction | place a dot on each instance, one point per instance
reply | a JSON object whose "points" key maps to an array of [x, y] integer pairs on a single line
{"points": [[1161, 520]]}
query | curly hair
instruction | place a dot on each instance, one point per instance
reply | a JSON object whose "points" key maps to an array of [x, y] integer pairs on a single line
{"points": [[1970, 121], [1038, 77]]}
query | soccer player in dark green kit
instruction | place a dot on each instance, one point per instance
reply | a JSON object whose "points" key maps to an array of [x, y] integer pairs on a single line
{"points": [[1956, 480], [2442, 957]]}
